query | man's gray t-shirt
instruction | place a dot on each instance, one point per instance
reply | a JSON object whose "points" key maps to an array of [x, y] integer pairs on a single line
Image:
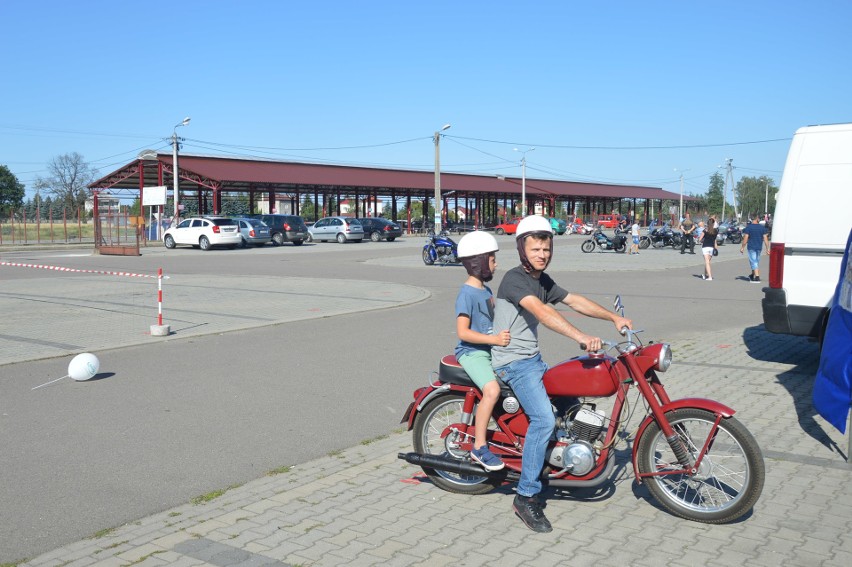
{"points": [[522, 325]]}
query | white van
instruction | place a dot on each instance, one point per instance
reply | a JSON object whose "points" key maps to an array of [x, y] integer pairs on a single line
{"points": [[813, 216]]}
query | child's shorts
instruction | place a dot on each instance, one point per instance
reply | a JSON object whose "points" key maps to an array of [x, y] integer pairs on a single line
{"points": [[477, 364]]}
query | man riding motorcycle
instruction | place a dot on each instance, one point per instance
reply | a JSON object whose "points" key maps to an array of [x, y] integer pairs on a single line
{"points": [[524, 299]]}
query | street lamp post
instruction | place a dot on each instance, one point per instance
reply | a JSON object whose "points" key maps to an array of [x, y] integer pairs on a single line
{"points": [[175, 141], [680, 209], [437, 139], [524, 180]]}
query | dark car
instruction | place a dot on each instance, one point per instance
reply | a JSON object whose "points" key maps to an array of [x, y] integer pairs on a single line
{"points": [[285, 228], [462, 226], [377, 229]]}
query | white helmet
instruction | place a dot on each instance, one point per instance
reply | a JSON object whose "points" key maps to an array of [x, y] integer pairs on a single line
{"points": [[475, 243], [533, 223]]}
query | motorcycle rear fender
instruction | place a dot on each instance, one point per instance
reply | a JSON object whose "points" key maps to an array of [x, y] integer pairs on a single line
{"points": [[685, 403], [425, 395]]}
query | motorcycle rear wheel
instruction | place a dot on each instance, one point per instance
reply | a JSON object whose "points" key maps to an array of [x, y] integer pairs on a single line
{"points": [[431, 437], [728, 481], [587, 246]]}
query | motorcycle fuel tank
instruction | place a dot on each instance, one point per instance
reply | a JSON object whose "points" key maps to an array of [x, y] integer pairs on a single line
{"points": [[583, 376]]}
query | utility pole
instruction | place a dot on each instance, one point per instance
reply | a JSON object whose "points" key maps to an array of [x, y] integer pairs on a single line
{"points": [[730, 176], [437, 140]]}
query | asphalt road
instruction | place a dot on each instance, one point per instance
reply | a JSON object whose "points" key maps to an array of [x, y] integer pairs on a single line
{"points": [[175, 419]]}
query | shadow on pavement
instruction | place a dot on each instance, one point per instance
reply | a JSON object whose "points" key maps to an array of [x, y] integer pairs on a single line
{"points": [[803, 354]]}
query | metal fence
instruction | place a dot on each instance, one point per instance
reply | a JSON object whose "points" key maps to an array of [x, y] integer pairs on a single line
{"points": [[45, 227]]}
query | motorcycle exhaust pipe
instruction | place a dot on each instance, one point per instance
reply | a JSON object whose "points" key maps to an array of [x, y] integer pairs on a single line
{"points": [[449, 464]]}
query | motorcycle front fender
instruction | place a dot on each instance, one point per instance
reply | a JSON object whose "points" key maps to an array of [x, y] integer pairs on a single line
{"points": [[430, 249], [684, 403]]}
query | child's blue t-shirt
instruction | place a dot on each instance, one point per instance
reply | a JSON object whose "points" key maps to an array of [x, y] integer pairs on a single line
{"points": [[478, 305]]}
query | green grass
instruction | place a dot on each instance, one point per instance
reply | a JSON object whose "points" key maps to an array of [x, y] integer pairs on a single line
{"points": [[204, 498]]}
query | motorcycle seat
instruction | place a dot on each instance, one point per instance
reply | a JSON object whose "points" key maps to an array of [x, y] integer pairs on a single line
{"points": [[451, 372]]}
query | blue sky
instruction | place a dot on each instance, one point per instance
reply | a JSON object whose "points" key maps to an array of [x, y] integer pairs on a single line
{"points": [[612, 92]]}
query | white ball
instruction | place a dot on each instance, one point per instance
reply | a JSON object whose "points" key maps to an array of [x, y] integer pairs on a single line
{"points": [[83, 366]]}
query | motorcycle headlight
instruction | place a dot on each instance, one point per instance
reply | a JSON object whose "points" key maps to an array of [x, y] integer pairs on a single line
{"points": [[664, 360]]}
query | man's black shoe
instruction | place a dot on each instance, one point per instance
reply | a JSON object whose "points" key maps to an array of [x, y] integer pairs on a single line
{"points": [[528, 509]]}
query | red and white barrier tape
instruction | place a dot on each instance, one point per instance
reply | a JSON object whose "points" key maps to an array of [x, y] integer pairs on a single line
{"points": [[62, 269]]}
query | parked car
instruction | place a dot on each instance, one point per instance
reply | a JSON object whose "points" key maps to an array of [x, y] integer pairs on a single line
{"points": [[559, 226], [377, 229], [462, 226], [285, 228], [204, 233], [508, 227], [341, 229], [608, 221], [254, 232]]}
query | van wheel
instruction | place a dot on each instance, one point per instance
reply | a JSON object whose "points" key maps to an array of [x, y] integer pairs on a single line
{"points": [[277, 239]]}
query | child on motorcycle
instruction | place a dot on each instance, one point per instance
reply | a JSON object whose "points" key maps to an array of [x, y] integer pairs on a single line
{"points": [[474, 327]]}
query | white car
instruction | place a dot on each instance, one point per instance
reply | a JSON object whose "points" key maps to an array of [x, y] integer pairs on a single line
{"points": [[204, 233]]}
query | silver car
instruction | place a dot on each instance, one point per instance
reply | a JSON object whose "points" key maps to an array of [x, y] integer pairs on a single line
{"points": [[341, 229], [254, 232]]}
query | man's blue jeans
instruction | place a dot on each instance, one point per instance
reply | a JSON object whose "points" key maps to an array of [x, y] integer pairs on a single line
{"points": [[525, 379], [754, 259]]}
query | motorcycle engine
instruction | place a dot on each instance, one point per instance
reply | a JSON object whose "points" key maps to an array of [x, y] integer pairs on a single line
{"points": [[444, 252], [575, 449]]}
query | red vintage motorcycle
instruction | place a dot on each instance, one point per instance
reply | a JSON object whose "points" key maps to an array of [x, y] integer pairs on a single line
{"points": [[697, 460]]}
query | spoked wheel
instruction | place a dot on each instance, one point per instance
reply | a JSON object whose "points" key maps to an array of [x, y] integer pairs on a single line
{"points": [[644, 242], [427, 257], [433, 436], [587, 246], [727, 482]]}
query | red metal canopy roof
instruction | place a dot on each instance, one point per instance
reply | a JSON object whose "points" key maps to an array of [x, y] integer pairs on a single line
{"points": [[238, 174]]}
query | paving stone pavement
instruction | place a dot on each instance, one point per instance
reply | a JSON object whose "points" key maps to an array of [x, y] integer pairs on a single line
{"points": [[364, 506]]}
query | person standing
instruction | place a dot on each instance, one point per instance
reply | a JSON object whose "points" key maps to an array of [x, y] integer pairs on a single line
{"points": [[634, 232], [525, 299], [709, 247], [688, 228], [754, 237]]}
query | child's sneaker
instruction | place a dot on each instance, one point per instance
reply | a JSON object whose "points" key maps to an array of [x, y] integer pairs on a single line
{"points": [[486, 459]]}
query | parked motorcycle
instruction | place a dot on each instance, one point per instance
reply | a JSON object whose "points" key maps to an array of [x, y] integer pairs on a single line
{"points": [[729, 233], [644, 241], [662, 236], [582, 228], [440, 248], [696, 459], [604, 242]]}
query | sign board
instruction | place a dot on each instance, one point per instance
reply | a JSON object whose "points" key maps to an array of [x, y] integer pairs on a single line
{"points": [[153, 196]]}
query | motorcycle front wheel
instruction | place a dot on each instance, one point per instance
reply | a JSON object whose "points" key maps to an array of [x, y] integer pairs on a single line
{"points": [[587, 246], [644, 242], [427, 256], [727, 482], [432, 436]]}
